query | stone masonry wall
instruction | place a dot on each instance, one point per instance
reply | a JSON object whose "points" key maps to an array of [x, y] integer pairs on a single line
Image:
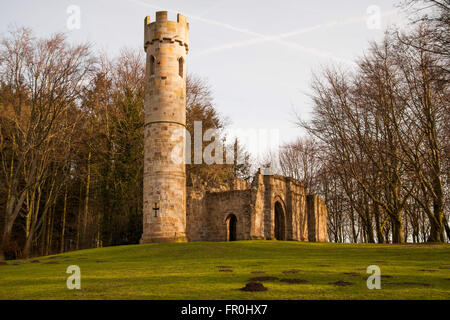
{"points": [[166, 44], [220, 206], [254, 207], [317, 219], [207, 209]]}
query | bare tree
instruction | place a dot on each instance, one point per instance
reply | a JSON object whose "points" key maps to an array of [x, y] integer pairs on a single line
{"points": [[300, 160], [43, 77], [426, 95]]}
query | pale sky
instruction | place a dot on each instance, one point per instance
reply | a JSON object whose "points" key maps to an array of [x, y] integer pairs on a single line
{"points": [[257, 55]]}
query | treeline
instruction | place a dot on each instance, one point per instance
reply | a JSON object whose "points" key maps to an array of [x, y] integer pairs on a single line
{"points": [[379, 144], [71, 145]]}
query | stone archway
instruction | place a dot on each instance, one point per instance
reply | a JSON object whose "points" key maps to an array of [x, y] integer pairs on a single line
{"points": [[231, 227], [280, 222]]}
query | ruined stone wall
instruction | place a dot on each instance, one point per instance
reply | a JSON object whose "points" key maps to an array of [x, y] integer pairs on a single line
{"points": [[196, 214], [317, 219], [322, 232], [220, 206], [296, 208], [207, 209], [257, 222], [291, 194], [254, 207]]}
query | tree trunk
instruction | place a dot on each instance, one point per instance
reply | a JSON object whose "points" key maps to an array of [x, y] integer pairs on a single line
{"points": [[48, 246], [77, 246], [436, 230], [63, 227], [379, 227], [447, 228], [86, 200], [5, 243], [10, 215], [35, 224], [369, 228], [397, 230], [352, 219], [437, 222], [7, 235]]}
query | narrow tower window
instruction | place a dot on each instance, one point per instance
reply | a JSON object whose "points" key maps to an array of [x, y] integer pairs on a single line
{"points": [[152, 65], [181, 67]]}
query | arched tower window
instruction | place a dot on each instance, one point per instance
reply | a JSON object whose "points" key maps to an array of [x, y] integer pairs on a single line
{"points": [[152, 65], [181, 67]]}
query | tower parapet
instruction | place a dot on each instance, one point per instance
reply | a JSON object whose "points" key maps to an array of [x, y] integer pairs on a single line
{"points": [[164, 30]]}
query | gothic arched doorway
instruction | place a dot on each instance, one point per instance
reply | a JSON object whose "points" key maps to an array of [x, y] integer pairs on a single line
{"points": [[279, 222], [231, 227]]}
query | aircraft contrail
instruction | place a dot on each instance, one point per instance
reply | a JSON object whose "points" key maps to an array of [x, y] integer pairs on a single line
{"points": [[258, 40], [261, 38]]}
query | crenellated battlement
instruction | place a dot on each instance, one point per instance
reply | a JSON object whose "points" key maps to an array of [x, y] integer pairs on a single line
{"points": [[164, 30]]}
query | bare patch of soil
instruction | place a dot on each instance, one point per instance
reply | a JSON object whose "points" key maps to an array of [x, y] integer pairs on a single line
{"points": [[225, 270], [294, 281], [291, 271], [224, 267], [341, 283], [254, 286], [352, 274], [427, 270], [98, 261], [34, 261]]}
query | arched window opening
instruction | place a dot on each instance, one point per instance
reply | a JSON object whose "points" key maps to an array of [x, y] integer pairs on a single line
{"points": [[231, 227], [181, 67], [152, 65], [279, 222]]}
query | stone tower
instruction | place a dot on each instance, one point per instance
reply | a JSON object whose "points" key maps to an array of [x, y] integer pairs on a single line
{"points": [[166, 47]]}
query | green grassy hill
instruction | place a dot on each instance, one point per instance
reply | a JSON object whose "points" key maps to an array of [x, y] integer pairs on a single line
{"points": [[217, 270]]}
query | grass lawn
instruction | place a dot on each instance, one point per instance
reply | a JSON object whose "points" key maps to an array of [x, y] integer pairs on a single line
{"points": [[195, 270]]}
